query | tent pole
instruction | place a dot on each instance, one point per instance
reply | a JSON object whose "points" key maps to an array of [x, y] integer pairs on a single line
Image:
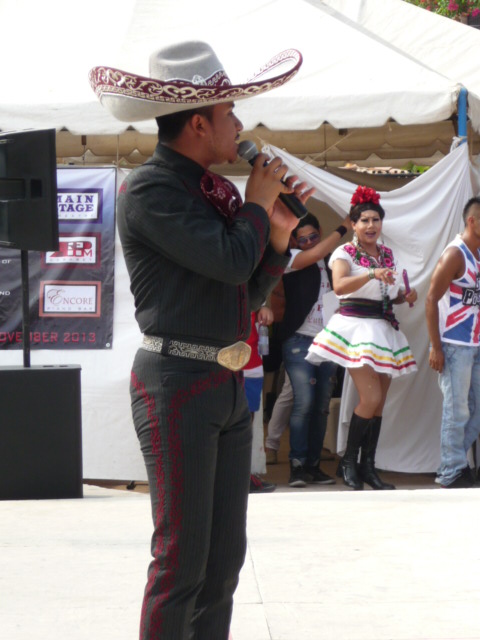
{"points": [[462, 114]]}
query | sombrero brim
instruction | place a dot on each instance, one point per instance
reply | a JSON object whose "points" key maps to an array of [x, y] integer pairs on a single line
{"points": [[131, 98]]}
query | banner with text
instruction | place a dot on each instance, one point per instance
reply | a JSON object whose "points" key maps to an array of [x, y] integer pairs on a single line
{"points": [[71, 289]]}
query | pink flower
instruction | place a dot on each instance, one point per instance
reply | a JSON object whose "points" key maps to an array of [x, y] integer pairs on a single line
{"points": [[452, 6], [387, 262], [350, 250], [475, 12], [365, 262]]}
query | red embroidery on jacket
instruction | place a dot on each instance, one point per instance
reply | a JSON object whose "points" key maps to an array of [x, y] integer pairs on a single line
{"points": [[259, 226], [166, 551], [243, 313], [273, 270]]}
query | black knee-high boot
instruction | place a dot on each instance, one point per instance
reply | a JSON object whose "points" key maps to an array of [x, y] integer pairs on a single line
{"points": [[366, 468], [347, 467]]}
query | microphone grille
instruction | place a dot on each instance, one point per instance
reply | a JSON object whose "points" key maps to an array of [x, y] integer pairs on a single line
{"points": [[247, 150]]}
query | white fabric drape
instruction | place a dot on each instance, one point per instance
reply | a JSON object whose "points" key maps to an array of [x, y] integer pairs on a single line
{"points": [[421, 218]]}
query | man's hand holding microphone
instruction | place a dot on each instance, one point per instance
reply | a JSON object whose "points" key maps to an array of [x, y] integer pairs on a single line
{"points": [[283, 198]]}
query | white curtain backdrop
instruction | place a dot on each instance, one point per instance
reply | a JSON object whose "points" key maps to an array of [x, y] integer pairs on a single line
{"points": [[421, 218]]}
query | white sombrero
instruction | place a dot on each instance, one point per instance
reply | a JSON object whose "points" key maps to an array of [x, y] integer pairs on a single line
{"points": [[183, 76]]}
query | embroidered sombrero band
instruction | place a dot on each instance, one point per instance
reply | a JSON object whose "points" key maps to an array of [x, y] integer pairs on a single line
{"points": [[183, 76]]}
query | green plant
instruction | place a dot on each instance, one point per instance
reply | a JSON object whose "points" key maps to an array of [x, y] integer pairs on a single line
{"points": [[415, 168]]}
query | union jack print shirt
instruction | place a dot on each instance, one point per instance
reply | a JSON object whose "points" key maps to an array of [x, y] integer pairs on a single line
{"points": [[459, 307]]}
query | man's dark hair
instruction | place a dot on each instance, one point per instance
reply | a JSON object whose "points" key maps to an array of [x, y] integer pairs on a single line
{"points": [[307, 221], [468, 206], [171, 126]]}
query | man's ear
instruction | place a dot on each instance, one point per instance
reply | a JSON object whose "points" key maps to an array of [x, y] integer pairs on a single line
{"points": [[198, 124]]}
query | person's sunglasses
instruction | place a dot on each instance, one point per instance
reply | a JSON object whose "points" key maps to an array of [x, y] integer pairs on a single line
{"points": [[310, 238]]}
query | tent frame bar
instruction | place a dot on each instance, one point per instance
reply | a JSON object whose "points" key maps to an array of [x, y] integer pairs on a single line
{"points": [[462, 114]]}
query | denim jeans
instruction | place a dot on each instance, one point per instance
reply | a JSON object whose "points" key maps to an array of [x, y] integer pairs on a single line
{"points": [[312, 389], [460, 385]]}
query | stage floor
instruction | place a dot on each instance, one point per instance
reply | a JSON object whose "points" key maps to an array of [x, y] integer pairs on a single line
{"points": [[321, 565]]}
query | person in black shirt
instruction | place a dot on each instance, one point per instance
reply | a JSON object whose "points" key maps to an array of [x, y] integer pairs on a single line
{"points": [[305, 282]]}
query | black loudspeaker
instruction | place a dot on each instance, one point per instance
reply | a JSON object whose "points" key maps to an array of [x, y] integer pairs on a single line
{"points": [[40, 433]]}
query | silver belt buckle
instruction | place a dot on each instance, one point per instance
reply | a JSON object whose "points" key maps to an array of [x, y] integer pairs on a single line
{"points": [[234, 357]]}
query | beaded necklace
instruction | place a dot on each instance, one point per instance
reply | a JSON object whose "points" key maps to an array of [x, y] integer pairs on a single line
{"points": [[385, 259]]}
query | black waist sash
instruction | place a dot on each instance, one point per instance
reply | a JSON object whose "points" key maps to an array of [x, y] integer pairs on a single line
{"points": [[364, 308]]}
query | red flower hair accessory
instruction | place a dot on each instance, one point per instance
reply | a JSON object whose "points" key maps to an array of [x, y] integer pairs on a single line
{"points": [[365, 194]]}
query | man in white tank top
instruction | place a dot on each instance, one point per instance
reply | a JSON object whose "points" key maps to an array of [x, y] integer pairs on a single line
{"points": [[453, 320]]}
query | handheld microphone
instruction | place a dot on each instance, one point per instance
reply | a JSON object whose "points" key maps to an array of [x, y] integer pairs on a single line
{"points": [[249, 152]]}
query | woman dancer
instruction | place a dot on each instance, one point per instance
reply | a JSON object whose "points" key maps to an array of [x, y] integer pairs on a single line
{"points": [[363, 335]]}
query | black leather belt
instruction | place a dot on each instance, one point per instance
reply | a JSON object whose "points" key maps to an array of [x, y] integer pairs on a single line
{"points": [[234, 357]]}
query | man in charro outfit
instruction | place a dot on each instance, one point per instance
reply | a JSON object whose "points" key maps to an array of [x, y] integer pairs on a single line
{"points": [[199, 261], [453, 320]]}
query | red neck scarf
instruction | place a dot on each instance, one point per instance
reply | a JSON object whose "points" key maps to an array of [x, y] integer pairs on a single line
{"points": [[222, 193]]}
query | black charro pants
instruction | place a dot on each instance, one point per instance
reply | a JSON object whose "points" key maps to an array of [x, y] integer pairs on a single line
{"points": [[194, 428]]}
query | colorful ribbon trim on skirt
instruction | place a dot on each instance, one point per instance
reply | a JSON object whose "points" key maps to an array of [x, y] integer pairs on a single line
{"points": [[364, 308]]}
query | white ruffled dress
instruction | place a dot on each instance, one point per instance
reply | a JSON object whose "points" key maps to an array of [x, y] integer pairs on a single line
{"points": [[354, 342]]}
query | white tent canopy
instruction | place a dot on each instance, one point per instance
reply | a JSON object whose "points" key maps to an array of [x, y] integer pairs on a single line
{"points": [[349, 78], [450, 48]]}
